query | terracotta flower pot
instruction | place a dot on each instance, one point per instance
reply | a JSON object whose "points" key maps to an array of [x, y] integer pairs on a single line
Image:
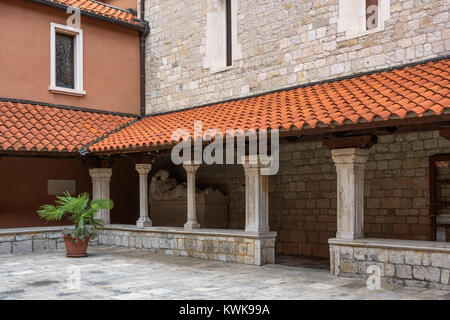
{"points": [[76, 249]]}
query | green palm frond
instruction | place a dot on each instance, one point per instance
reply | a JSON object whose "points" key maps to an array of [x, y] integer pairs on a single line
{"points": [[102, 204], [50, 212], [80, 210]]}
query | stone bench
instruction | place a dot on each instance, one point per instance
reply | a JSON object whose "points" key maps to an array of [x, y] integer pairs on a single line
{"points": [[409, 262]]}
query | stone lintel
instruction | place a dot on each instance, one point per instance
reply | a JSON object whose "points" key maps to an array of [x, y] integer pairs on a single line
{"points": [[361, 142], [99, 163]]}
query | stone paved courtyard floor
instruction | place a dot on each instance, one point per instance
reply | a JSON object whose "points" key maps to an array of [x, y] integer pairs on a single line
{"points": [[113, 273]]}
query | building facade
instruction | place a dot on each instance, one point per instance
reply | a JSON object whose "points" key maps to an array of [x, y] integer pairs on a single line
{"points": [[357, 91], [278, 44], [63, 83], [26, 61]]}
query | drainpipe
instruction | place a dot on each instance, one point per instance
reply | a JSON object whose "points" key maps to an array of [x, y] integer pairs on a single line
{"points": [[142, 37]]}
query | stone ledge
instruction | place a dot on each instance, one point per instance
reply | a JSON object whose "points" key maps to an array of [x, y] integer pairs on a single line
{"points": [[31, 230], [204, 232], [212, 244], [394, 244], [27, 240]]}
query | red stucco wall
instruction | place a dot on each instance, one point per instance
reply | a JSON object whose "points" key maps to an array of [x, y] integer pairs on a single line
{"points": [[111, 59], [23, 189]]}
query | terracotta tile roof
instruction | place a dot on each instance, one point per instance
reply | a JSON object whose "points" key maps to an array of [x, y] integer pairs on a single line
{"points": [[410, 92], [413, 91], [100, 9], [31, 127]]}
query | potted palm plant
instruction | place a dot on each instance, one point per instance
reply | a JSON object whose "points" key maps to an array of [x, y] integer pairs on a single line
{"points": [[80, 211]]}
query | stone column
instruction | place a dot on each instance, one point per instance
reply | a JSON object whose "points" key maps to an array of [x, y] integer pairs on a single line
{"points": [[441, 234], [100, 190], [350, 164], [143, 170], [191, 168], [256, 195]]}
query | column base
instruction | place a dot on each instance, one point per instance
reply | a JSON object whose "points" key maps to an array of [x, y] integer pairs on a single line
{"points": [[191, 225], [441, 235], [348, 235], [256, 230], [104, 216], [144, 222]]}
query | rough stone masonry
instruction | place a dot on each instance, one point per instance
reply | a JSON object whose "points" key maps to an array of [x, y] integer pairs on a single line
{"points": [[302, 200], [283, 43]]}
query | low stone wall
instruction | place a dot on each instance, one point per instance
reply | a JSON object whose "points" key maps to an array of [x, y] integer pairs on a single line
{"points": [[26, 240], [212, 244], [411, 263]]}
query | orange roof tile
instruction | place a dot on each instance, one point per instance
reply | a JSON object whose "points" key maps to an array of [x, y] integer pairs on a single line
{"points": [[412, 91], [100, 9], [34, 127]]}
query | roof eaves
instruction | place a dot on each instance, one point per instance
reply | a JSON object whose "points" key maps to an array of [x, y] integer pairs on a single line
{"points": [[67, 107], [141, 25], [84, 150]]}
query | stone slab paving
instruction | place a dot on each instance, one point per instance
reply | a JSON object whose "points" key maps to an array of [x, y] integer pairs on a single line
{"points": [[114, 273]]}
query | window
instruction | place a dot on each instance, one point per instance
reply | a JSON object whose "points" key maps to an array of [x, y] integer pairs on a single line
{"points": [[362, 17], [228, 28], [66, 60], [221, 35]]}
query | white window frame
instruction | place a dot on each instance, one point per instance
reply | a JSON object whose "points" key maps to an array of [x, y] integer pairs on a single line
{"points": [[215, 50], [352, 17], [78, 59]]}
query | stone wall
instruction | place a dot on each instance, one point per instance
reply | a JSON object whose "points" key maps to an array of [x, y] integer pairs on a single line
{"points": [[222, 245], [410, 263], [26, 240], [303, 194], [283, 43]]}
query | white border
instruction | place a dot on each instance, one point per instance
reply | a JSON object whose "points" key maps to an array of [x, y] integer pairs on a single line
{"points": [[78, 60]]}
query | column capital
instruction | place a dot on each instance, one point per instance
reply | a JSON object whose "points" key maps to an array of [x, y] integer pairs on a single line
{"points": [[350, 156], [143, 168], [255, 162], [191, 166], [98, 173]]}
